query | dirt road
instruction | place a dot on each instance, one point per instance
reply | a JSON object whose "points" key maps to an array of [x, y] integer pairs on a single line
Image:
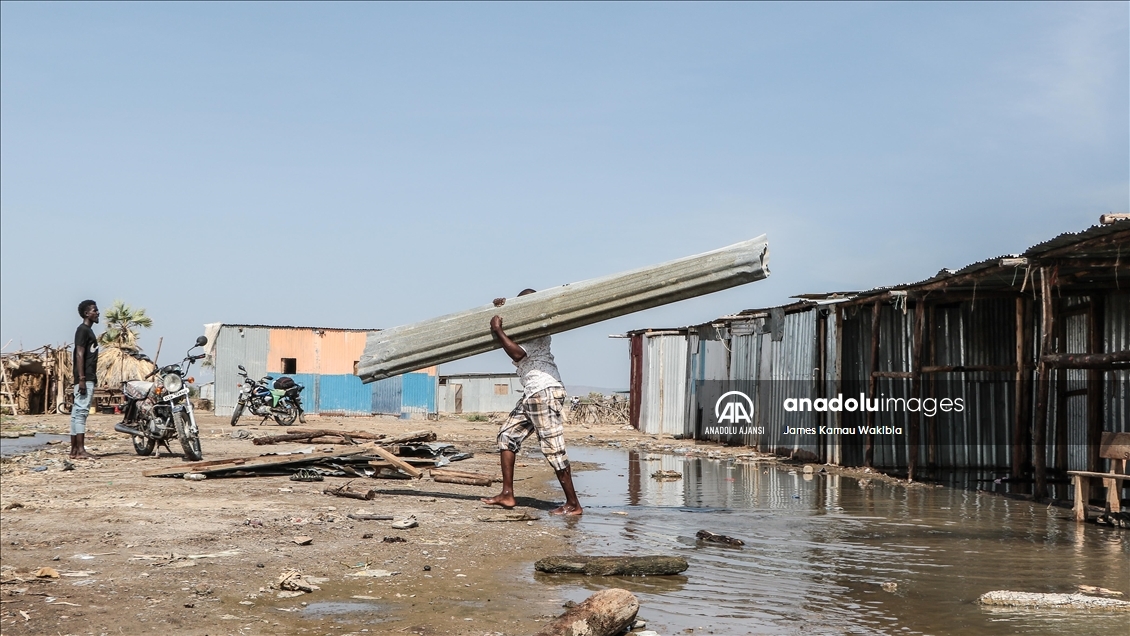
{"points": [[141, 555]]}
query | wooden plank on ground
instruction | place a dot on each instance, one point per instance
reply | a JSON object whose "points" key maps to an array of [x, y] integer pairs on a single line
{"points": [[414, 436], [407, 468], [251, 463]]}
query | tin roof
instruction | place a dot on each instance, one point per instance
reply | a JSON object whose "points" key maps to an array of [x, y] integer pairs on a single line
{"points": [[241, 326]]}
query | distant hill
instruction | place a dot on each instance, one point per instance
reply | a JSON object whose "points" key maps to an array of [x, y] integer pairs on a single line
{"points": [[582, 390]]}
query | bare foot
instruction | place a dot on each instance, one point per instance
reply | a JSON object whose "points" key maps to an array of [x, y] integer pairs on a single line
{"points": [[506, 501], [83, 454], [568, 510]]}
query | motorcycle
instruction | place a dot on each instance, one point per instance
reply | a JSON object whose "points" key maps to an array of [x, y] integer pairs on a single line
{"points": [[159, 410], [280, 400]]}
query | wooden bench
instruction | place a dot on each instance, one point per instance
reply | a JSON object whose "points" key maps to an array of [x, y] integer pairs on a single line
{"points": [[1116, 448]]}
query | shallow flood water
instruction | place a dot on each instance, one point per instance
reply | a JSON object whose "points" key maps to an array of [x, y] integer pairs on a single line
{"points": [[27, 444], [818, 549]]}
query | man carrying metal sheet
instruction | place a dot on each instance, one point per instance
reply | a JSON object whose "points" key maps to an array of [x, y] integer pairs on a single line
{"points": [[538, 411]]}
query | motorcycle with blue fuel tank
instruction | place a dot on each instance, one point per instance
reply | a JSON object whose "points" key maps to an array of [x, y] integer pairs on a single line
{"points": [[279, 399], [158, 410]]}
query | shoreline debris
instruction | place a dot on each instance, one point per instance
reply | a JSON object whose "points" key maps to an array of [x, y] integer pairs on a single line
{"points": [[1038, 600], [612, 566], [711, 537], [605, 613]]}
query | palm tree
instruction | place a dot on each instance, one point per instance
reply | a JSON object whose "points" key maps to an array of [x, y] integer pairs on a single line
{"points": [[120, 322], [115, 364]]}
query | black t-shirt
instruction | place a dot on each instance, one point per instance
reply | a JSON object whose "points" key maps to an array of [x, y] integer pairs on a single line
{"points": [[88, 342]]}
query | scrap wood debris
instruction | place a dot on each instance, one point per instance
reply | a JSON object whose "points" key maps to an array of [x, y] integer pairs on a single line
{"points": [[293, 581], [346, 491], [395, 457], [166, 559], [311, 436]]}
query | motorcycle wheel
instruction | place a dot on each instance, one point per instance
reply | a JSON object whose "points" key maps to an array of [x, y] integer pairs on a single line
{"points": [[287, 418], [236, 413], [144, 445], [188, 441]]}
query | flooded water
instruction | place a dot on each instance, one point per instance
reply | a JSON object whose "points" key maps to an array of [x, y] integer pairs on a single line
{"points": [[26, 444], [818, 549]]}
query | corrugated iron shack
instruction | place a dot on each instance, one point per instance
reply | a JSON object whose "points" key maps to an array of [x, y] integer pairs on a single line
{"points": [[324, 360], [1036, 346], [478, 392]]}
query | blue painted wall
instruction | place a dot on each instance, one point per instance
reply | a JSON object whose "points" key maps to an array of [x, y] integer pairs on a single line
{"points": [[386, 396], [343, 394], [419, 394]]}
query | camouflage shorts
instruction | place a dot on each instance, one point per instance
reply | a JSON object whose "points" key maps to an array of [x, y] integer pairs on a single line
{"points": [[538, 413]]}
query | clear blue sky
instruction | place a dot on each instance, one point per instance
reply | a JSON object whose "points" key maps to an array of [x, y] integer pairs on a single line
{"points": [[369, 165]]}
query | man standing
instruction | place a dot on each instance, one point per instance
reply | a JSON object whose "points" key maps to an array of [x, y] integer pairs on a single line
{"points": [[85, 365], [538, 411]]}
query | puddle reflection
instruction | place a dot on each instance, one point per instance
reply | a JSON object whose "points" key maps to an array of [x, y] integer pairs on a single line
{"points": [[830, 553]]}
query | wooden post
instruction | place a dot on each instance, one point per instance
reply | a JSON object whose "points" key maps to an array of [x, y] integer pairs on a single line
{"points": [[1095, 387], [821, 382], [916, 387], [1040, 422], [1020, 406], [1060, 456], [872, 384], [930, 387]]}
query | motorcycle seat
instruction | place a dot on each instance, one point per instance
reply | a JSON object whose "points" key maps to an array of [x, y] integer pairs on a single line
{"points": [[137, 389]]}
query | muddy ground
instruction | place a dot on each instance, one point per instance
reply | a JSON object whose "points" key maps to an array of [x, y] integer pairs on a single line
{"points": [[141, 554]]}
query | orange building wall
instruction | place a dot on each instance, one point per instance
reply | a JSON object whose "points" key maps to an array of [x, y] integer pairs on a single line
{"points": [[328, 353]]}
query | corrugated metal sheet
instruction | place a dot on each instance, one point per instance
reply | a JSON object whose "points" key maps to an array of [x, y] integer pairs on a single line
{"points": [[343, 395], [418, 396], [663, 404], [479, 393], [235, 346], [387, 395], [1077, 340], [788, 371], [1116, 337]]}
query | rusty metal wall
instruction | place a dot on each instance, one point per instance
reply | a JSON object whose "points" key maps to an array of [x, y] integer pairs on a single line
{"points": [[980, 332], [1116, 384]]}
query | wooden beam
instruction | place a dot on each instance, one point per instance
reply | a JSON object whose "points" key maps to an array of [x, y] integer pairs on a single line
{"points": [[1040, 422], [969, 368], [915, 388], [1101, 361], [872, 384], [1095, 382], [405, 467], [250, 463], [1020, 395]]}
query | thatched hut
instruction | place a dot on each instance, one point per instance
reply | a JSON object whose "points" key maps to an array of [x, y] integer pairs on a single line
{"points": [[116, 366]]}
